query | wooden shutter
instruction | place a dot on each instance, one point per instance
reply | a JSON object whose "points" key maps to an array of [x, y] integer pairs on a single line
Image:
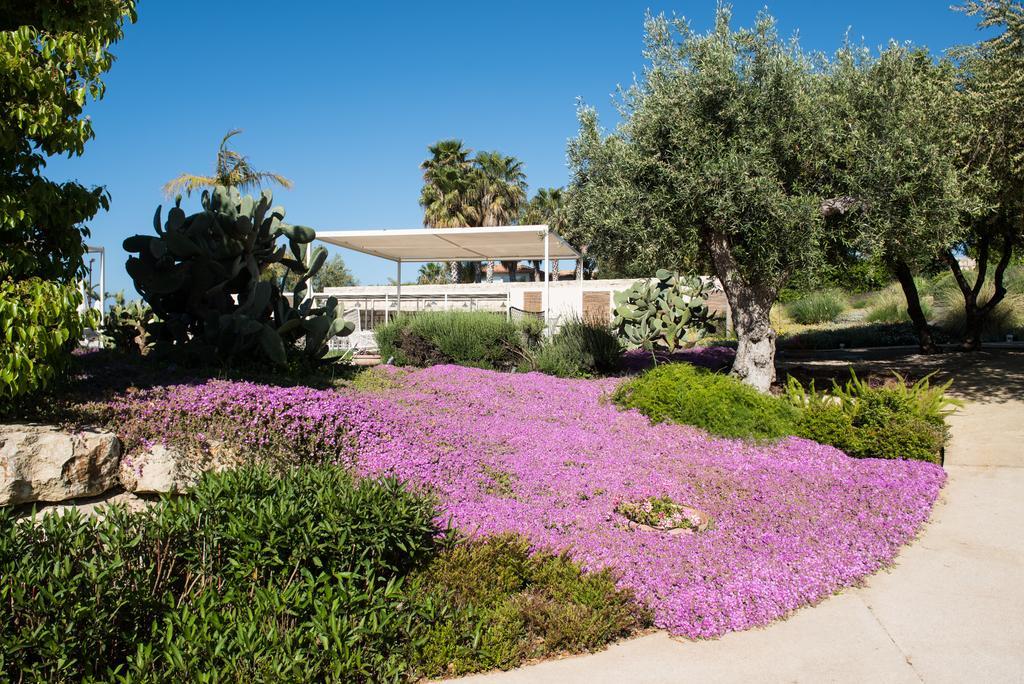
{"points": [[533, 301], [597, 307]]}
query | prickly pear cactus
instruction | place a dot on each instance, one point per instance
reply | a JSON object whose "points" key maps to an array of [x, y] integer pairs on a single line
{"points": [[128, 325], [201, 274], [670, 310]]}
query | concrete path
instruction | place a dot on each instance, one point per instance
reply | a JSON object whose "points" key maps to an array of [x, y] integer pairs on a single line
{"points": [[951, 610]]}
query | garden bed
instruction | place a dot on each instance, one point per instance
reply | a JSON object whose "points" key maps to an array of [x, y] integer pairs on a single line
{"points": [[551, 459]]}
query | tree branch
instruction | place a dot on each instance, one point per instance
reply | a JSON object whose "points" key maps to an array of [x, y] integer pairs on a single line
{"points": [[958, 273], [1004, 262], [986, 244]]}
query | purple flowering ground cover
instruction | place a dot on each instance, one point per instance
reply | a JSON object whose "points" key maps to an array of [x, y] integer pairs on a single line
{"points": [[550, 458]]}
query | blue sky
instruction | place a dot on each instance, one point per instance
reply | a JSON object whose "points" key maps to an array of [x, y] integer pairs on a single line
{"points": [[344, 97]]}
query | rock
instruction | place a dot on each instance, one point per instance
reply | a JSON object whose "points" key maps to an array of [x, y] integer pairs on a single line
{"points": [[45, 463], [700, 521], [162, 469], [154, 471], [96, 506]]}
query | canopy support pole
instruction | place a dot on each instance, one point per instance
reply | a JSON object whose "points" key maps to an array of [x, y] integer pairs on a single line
{"points": [[309, 262], [398, 289], [547, 281], [103, 285]]}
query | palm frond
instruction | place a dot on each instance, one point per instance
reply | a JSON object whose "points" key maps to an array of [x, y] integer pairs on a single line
{"points": [[188, 182], [232, 169]]}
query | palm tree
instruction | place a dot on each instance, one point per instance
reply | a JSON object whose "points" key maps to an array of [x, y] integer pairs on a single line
{"points": [[445, 193], [544, 208], [432, 274], [230, 170], [499, 190]]}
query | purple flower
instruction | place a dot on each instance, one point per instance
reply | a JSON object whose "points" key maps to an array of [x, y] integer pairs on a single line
{"points": [[550, 458]]}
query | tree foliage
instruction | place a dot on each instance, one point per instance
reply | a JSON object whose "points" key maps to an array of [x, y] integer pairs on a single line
{"points": [[53, 57], [993, 82], [432, 274], [897, 167], [36, 331], [231, 170], [488, 189], [717, 163], [333, 273]]}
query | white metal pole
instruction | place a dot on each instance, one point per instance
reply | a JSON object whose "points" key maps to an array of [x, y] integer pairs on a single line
{"points": [[547, 280], [103, 284], [309, 261], [399, 288]]}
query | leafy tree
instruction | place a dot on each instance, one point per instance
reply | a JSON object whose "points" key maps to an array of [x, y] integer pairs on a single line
{"points": [[993, 83], [902, 189], [446, 189], [231, 170], [717, 162], [498, 195], [544, 208], [486, 190], [432, 274], [333, 273], [53, 55]]}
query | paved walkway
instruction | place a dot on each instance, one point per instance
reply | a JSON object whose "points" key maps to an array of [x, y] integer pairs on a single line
{"points": [[951, 610]]}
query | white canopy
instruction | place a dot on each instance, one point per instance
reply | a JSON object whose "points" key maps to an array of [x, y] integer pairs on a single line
{"points": [[498, 243]]}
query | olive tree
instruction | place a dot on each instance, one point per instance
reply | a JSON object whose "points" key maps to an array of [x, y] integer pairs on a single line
{"points": [[717, 163], [994, 145], [903, 189]]}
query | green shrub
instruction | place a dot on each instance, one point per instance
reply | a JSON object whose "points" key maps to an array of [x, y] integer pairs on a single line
{"points": [[720, 404], [77, 595], [903, 437], [39, 324], [507, 606], [897, 420], [823, 306], [580, 349], [827, 423], [308, 576], [467, 338], [250, 576]]}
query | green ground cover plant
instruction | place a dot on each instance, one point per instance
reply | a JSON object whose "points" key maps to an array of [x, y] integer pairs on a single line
{"points": [[310, 575], [468, 338], [580, 349], [507, 606], [896, 420], [720, 404]]}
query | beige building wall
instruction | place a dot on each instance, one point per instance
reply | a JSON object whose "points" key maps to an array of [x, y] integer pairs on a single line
{"points": [[583, 298]]}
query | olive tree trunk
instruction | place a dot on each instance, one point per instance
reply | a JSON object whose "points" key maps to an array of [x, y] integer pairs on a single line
{"points": [[917, 318], [751, 314], [975, 313]]}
